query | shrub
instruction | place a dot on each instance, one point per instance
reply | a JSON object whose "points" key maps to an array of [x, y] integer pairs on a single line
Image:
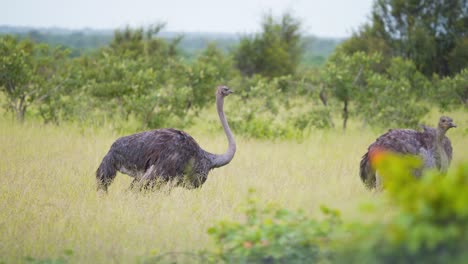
{"points": [[430, 224], [274, 235]]}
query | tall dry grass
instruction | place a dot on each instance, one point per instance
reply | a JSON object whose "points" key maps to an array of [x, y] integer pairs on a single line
{"points": [[48, 199]]}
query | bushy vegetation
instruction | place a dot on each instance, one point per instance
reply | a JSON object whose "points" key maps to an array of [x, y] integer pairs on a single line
{"points": [[274, 235], [433, 34], [191, 44], [429, 225], [31, 74], [141, 80], [273, 53], [403, 67]]}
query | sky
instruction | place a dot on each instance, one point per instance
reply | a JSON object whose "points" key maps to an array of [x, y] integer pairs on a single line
{"points": [[323, 18]]}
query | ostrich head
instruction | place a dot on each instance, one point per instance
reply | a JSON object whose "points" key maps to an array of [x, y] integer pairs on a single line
{"points": [[223, 91], [445, 123]]}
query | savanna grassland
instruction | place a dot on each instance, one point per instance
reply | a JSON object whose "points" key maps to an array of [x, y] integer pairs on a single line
{"points": [[302, 120], [49, 203]]}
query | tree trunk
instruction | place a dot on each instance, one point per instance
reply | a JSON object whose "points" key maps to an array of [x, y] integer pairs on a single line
{"points": [[20, 110], [345, 114], [20, 115]]}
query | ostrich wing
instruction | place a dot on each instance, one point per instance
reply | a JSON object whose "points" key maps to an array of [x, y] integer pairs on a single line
{"points": [[169, 150], [403, 141]]}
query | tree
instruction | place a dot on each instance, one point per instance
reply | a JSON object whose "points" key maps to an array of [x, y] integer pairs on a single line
{"points": [[368, 41], [453, 91], [274, 52], [424, 31], [131, 83], [30, 73], [391, 99], [143, 42], [458, 57], [345, 77], [383, 99], [211, 68], [141, 76]]}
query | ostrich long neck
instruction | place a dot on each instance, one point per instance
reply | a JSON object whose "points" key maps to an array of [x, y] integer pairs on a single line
{"points": [[440, 155], [440, 135], [223, 159]]}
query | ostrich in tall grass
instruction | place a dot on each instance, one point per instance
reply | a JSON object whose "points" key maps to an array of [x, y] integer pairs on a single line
{"points": [[165, 155], [432, 145]]}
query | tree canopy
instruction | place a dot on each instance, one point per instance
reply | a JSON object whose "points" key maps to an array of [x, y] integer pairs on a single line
{"points": [[431, 33], [276, 51], [411, 55]]}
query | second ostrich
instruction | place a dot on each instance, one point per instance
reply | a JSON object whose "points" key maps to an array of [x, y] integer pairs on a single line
{"points": [[165, 155], [432, 145]]}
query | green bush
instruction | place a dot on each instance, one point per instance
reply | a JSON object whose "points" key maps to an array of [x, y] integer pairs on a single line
{"points": [[274, 235], [276, 51], [277, 108], [452, 92], [430, 222], [316, 118], [425, 221]]}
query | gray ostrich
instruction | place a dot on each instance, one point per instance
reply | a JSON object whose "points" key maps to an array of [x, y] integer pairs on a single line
{"points": [[165, 155], [431, 145]]}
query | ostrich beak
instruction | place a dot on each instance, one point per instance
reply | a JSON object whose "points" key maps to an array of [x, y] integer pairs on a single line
{"points": [[452, 125], [230, 91]]}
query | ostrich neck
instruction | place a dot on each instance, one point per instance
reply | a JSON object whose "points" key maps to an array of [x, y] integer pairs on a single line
{"points": [[223, 159], [441, 155], [440, 134]]}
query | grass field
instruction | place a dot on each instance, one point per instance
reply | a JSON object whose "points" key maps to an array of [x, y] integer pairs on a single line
{"points": [[49, 204]]}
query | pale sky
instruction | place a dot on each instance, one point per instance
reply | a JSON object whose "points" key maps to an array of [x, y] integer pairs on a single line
{"points": [[324, 18]]}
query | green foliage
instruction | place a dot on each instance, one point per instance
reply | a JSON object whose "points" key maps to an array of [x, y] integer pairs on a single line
{"points": [[274, 108], [31, 73], [274, 235], [345, 77], [141, 81], [431, 222], [211, 68], [317, 118], [429, 33], [368, 41], [86, 41], [345, 74], [391, 99], [255, 120], [452, 92], [141, 76], [458, 57], [275, 52], [386, 98]]}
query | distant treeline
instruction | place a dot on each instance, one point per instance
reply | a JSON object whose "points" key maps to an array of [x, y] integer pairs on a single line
{"points": [[80, 41], [142, 78]]}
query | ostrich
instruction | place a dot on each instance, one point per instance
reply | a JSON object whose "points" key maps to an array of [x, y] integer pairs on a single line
{"points": [[431, 145], [165, 155]]}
